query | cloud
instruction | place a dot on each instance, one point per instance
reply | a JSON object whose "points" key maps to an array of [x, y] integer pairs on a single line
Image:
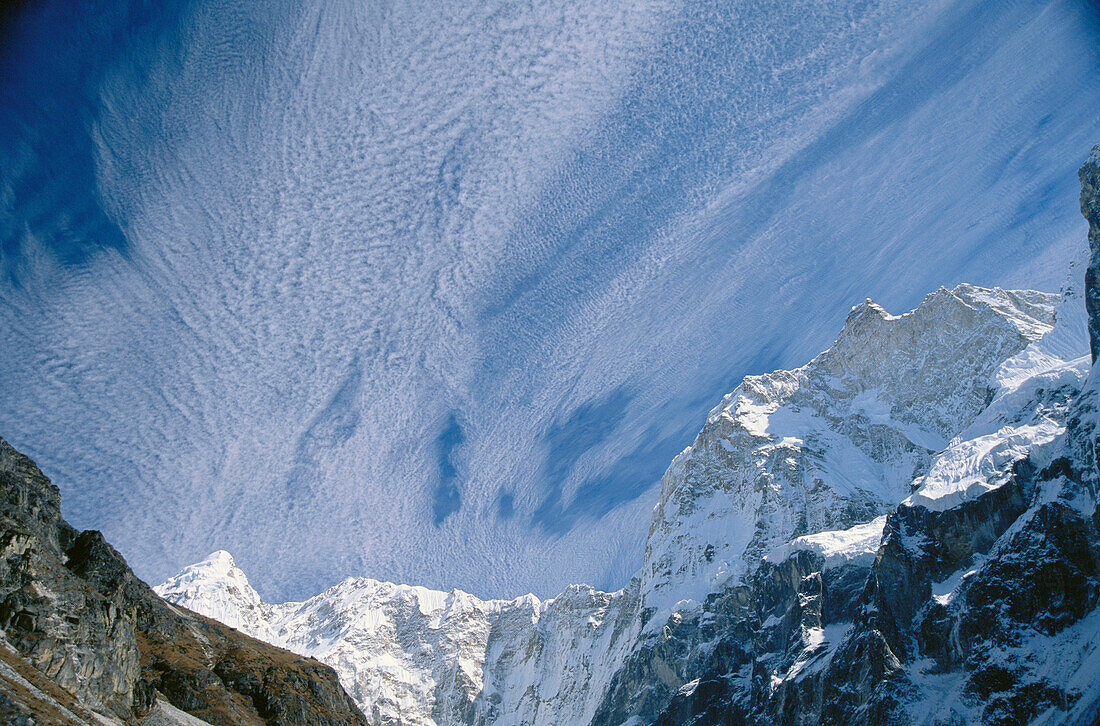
{"points": [[433, 292]]}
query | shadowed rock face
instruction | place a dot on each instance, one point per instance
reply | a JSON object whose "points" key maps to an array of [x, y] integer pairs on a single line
{"points": [[1090, 208], [71, 607]]}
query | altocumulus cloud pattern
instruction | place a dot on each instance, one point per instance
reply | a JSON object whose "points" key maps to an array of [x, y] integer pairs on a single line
{"points": [[433, 292]]}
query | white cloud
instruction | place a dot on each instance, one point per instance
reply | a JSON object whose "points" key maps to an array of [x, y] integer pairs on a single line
{"points": [[570, 229]]}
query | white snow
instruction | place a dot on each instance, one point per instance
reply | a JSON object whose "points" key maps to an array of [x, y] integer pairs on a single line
{"points": [[856, 546], [944, 591], [1031, 389]]}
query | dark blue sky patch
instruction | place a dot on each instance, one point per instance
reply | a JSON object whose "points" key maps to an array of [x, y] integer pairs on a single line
{"points": [[447, 498], [333, 425], [626, 479], [586, 428], [589, 425], [506, 505], [53, 56]]}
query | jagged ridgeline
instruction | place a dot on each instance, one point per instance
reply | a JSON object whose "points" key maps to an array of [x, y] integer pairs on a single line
{"points": [[902, 531], [87, 642]]}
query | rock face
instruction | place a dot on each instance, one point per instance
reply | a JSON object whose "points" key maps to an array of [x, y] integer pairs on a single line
{"points": [[901, 531], [85, 641], [1090, 208]]}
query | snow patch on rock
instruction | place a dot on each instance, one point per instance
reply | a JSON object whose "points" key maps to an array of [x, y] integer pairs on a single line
{"points": [[856, 545]]}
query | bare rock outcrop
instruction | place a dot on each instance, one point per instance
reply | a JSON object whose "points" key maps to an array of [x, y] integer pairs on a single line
{"points": [[71, 608]]}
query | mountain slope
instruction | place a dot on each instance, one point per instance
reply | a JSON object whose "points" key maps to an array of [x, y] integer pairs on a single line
{"points": [[85, 641]]}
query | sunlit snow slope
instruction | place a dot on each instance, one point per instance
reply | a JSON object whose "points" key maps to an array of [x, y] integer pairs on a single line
{"points": [[433, 292]]}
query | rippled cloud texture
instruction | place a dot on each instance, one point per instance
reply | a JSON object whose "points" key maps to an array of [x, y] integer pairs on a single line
{"points": [[433, 292]]}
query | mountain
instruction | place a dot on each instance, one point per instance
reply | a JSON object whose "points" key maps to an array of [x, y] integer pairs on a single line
{"points": [[902, 531], [84, 641]]}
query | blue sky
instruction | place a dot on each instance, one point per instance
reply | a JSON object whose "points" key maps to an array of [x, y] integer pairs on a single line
{"points": [[433, 293]]}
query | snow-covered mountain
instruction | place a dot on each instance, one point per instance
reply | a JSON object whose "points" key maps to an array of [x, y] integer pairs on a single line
{"points": [[826, 526]]}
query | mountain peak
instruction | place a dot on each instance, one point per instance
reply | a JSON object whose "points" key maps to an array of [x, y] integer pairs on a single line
{"points": [[218, 588], [216, 569], [221, 560]]}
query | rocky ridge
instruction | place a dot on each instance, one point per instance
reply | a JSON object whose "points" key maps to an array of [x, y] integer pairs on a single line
{"points": [[902, 531], [84, 641]]}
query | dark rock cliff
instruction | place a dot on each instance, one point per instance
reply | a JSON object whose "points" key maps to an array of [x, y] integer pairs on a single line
{"points": [[71, 608], [1090, 208]]}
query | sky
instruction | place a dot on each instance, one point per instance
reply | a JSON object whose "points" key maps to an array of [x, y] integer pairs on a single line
{"points": [[433, 292]]}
